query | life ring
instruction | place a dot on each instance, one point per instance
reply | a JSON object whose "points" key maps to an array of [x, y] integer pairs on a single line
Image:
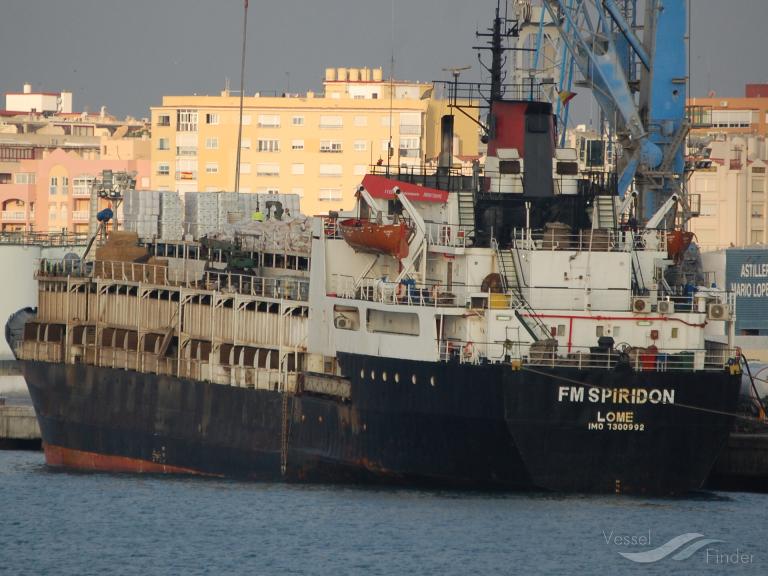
{"points": [[468, 349]]}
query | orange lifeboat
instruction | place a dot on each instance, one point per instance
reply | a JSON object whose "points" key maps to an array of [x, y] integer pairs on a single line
{"points": [[374, 238], [677, 243]]}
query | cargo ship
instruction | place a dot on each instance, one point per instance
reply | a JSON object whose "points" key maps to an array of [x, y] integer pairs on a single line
{"points": [[525, 338]]}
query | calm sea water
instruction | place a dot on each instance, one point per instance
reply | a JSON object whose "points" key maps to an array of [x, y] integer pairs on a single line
{"points": [[54, 522]]}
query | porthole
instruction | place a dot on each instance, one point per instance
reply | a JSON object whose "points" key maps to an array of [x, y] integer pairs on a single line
{"points": [[397, 378], [432, 380], [413, 378], [384, 376], [362, 374], [373, 375]]}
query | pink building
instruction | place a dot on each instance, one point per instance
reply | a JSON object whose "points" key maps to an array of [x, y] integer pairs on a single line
{"points": [[52, 194]]}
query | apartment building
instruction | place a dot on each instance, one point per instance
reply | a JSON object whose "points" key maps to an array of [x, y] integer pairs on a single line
{"points": [[318, 146], [49, 156], [727, 147], [730, 182]]}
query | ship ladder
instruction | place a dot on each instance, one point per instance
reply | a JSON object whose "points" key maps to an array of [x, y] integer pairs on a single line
{"points": [[284, 432], [467, 210], [168, 336], [606, 212], [511, 283]]}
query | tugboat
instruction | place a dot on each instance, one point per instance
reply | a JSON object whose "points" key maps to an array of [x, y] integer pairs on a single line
{"points": [[518, 340]]}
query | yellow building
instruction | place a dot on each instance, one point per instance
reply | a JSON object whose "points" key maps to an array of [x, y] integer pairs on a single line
{"points": [[316, 145]]}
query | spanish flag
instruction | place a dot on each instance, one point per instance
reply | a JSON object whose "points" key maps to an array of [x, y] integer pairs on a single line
{"points": [[566, 96]]}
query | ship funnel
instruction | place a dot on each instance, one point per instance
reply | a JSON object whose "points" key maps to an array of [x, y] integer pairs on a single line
{"points": [[446, 143]]}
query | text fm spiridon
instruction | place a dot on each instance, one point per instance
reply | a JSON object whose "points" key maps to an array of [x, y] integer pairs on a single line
{"points": [[615, 395]]}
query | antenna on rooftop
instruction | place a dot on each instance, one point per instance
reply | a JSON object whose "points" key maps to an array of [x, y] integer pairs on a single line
{"points": [[242, 93]]}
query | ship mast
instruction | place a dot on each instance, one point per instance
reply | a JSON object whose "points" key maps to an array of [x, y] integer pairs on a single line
{"points": [[242, 93]]}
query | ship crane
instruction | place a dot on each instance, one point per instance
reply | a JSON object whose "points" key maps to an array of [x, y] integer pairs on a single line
{"points": [[647, 113]]}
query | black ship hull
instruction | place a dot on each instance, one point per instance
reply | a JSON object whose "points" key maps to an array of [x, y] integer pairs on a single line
{"points": [[404, 422]]}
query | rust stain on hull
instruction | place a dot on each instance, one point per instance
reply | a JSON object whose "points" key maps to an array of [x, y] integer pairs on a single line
{"points": [[60, 457]]}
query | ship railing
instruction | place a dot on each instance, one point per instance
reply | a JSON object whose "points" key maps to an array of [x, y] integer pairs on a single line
{"points": [[286, 288], [331, 227], [404, 293], [600, 240], [45, 239], [544, 354], [448, 235]]}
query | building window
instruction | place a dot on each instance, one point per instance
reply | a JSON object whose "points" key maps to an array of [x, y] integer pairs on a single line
{"points": [[386, 121], [212, 118], [63, 212], [246, 119], [269, 121], [82, 186], [757, 211], [360, 121], [360, 146], [268, 145], [54, 185], [164, 120], [245, 144], [186, 120], [330, 169], [163, 144], [268, 169], [26, 178], [297, 120], [211, 168], [756, 237], [409, 147], [758, 170], [64, 184], [297, 169], [758, 185], [330, 146], [361, 169], [163, 169], [331, 122], [245, 167], [212, 143], [330, 194], [297, 145], [267, 190], [298, 191]]}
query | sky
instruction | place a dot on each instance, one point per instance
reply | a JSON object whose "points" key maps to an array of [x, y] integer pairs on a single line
{"points": [[127, 54]]}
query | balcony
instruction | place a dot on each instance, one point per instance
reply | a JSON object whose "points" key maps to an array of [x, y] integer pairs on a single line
{"points": [[413, 129], [79, 192], [81, 215], [14, 216]]}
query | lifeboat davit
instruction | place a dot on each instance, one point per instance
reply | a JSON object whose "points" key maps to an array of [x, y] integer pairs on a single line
{"points": [[374, 238]]}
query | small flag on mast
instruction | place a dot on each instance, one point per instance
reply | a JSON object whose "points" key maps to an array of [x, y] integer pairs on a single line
{"points": [[566, 96]]}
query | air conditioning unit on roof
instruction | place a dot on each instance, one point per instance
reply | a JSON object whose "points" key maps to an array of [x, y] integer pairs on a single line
{"points": [[665, 307], [641, 304]]}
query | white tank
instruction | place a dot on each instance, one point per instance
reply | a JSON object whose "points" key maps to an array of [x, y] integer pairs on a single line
{"points": [[330, 74], [759, 372], [378, 74], [341, 74], [20, 289]]}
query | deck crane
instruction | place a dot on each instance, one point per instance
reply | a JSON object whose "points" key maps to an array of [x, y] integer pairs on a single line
{"points": [[646, 111]]}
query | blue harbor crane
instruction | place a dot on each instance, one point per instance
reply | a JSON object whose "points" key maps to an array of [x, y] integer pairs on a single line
{"points": [[640, 85]]}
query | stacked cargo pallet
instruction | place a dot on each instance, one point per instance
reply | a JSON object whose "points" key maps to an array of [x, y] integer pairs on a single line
{"points": [[152, 214]]}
